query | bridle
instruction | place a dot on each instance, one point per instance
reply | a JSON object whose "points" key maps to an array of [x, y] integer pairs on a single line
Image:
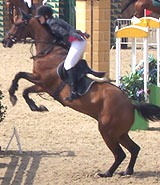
{"points": [[14, 39]]}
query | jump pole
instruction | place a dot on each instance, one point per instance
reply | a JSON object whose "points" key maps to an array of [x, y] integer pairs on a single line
{"points": [[133, 31], [158, 54], [17, 139], [152, 22], [118, 56], [133, 54]]}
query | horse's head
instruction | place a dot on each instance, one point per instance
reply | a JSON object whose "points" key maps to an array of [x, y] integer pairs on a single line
{"points": [[27, 26], [19, 30]]}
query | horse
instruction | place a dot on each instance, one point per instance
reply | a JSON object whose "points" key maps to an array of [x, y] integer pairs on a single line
{"points": [[14, 5], [105, 102], [128, 8], [141, 5], [13, 9]]}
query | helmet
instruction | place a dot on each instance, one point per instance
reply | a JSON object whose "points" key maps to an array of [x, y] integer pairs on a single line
{"points": [[44, 10]]}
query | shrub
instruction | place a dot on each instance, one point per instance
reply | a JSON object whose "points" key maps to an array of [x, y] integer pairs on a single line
{"points": [[3, 109], [133, 84]]}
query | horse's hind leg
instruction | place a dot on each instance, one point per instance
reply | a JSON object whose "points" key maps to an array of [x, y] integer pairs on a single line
{"points": [[30, 102], [14, 86], [133, 148], [114, 146]]}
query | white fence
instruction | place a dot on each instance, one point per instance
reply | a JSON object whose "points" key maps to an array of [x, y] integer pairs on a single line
{"points": [[152, 39]]}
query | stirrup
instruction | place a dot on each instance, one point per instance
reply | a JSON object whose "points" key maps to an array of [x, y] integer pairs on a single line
{"points": [[72, 96]]}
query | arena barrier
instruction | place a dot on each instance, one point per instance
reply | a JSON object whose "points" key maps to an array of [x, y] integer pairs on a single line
{"points": [[133, 32], [153, 24], [136, 31]]}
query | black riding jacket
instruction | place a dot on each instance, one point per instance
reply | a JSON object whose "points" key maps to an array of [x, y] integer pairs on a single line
{"points": [[62, 29], [65, 31]]}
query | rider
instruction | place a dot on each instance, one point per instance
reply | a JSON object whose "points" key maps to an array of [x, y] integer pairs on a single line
{"points": [[72, 37]]}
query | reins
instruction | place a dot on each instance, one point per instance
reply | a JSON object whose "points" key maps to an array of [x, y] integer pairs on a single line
{"points": [[32, 42], [45, 51], [42, 53]]}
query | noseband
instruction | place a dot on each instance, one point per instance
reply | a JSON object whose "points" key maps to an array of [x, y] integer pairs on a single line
{"points": [[12, 37]]}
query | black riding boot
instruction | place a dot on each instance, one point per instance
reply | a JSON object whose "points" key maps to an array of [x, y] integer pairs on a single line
{"points": [[72, 76]]}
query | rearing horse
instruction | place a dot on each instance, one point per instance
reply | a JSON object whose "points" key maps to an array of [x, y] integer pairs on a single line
{"points": [[104, 101]]}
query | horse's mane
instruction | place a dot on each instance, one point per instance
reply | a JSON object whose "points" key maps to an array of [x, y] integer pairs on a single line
{"points": [[52, 39], [47, 28], [58, 40]]}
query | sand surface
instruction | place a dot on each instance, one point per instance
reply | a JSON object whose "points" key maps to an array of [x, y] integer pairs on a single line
{"points": [[62, 146]]}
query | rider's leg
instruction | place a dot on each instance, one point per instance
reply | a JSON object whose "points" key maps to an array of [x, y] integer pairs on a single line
{"points": [[75, 52], [72, 76]]}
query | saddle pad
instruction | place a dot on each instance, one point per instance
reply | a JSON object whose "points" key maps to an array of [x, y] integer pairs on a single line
{"points": [[83, 84]]}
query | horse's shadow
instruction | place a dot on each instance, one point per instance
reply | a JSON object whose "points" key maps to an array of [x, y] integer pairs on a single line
{"points": [[143, 174], [25, 163], [153, 129], [146, 174]]}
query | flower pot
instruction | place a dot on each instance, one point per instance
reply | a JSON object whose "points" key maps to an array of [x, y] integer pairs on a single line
{"points": [[139, 122], [154, 96]]}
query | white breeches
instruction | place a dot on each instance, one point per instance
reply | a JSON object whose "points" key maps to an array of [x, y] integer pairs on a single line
{"points": [[28, 2], [75, 52], [44, 2]]}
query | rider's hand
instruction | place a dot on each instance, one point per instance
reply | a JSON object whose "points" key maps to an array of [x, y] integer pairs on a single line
{"points": [[76, 35]]}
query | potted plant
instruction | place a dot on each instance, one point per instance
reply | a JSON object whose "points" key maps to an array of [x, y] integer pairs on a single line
{"points": [[133, 86]]}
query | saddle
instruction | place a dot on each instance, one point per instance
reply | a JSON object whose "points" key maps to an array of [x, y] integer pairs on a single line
{"points": [[83, 82]]}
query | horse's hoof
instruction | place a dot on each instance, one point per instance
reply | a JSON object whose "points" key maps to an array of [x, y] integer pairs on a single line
{"points": [[13, 99], [127, 172], [105, 175], [43, 108]]}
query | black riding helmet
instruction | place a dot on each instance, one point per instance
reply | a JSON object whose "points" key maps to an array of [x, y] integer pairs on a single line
{"points": [[44, 10]]}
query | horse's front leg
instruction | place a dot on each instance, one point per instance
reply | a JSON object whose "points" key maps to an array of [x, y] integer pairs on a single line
{"points": [[14, 86], [30, 102]]}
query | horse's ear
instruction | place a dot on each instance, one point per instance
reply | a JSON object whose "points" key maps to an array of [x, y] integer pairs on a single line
{"points": [[26, 17]]}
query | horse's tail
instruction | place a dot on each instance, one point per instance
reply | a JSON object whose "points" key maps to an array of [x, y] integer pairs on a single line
{"points": [[148, 111]]}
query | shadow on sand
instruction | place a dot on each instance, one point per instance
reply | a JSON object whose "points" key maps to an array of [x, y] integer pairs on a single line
{"points": [[26, 163]]}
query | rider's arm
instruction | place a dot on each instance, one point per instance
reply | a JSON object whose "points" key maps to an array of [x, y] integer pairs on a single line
{"points": [[62, 29], [57, 28]]}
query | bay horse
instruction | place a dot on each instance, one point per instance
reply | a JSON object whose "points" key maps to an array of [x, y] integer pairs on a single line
{"points": [[141, 5], [113, 110], [13, 9], [14, 5]]}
